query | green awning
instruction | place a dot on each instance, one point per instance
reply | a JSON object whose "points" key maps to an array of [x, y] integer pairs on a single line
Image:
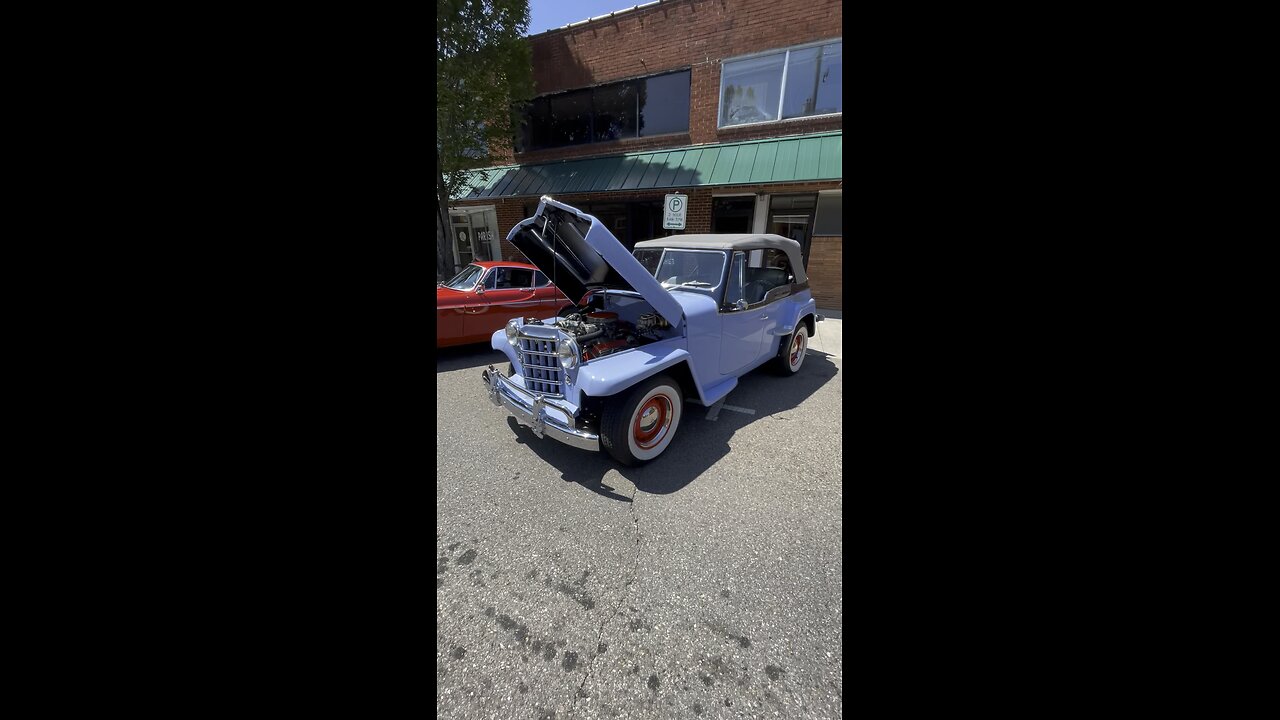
{"points": [[800, 158]]}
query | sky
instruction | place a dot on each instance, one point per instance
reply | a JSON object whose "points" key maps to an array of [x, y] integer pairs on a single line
{"points": [[547, 14]]}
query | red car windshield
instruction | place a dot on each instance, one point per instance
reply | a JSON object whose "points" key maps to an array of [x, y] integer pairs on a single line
{"points": [[466, 279]]}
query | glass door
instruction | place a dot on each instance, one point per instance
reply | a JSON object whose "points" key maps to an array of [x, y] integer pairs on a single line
{"points": [[475, 234], [462, 241]]}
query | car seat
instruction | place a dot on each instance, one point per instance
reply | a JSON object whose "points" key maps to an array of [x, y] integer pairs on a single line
{"points": [[762, 281]]}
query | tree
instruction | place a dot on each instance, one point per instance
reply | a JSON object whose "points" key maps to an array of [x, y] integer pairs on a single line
{"points": [[484, 79]]}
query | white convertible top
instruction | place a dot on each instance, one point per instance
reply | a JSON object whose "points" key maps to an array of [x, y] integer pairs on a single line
{"points": [[747, 241]]}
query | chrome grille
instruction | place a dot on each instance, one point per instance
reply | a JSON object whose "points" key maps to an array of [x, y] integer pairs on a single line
{"points": [[543, 374]]}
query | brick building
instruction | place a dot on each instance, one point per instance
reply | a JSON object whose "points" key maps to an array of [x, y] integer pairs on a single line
{"points": [[735, 103]]}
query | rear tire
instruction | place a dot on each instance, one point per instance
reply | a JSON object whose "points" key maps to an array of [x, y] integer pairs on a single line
{"points": [[638, 425], [791, 351]]}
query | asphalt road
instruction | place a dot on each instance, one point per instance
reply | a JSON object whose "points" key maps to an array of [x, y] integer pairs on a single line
{"points": [[706, 584]]}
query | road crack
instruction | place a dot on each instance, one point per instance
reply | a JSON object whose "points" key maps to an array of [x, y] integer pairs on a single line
{"points": [[617, 607]]}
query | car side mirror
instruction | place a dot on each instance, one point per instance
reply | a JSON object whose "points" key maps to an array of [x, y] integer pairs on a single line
{"points": [[740, 305], [479, 289]]}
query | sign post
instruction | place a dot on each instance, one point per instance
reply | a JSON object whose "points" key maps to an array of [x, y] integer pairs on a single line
{"points": [[674, 210]]}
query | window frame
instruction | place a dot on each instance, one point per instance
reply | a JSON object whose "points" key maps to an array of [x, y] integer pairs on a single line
{"points": [[782, 89]]}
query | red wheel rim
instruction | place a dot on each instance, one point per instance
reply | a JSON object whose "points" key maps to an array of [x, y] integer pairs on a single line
{"points": [[651, 422], [797, 349]]}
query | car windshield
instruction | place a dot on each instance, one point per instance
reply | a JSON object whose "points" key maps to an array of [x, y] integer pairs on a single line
{"points": [[466, 279], [699, 270]]}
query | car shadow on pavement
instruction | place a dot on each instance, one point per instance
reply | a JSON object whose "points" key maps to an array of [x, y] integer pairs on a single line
{"points": [[699, 443], [461, 357]]}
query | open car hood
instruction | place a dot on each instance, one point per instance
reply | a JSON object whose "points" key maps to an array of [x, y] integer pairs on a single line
{"points": [[578, 253]]}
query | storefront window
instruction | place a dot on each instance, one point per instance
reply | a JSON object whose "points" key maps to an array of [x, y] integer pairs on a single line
{"points": [[830, 216], [475, 235], [630, 222], [732, 214], [791, 216], [614, 216]]}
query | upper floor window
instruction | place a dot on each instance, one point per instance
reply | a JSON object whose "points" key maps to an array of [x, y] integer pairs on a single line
{"points": [[645, 107], [790, 83]]}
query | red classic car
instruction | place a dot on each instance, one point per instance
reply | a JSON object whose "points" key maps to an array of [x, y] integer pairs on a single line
{"points": [[480, 300]]}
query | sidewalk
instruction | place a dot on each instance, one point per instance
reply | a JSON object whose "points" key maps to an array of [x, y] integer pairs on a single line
{"points": [[830, 334]]}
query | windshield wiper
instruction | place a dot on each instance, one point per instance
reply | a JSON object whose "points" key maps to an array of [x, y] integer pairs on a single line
{"points": [[691, 283]]}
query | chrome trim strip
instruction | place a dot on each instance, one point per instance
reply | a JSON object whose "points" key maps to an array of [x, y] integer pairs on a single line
{"points": [[540, 332], [529, 410]]}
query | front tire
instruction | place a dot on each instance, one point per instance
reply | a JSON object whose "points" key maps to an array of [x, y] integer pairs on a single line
{"points": [[638, 426]]}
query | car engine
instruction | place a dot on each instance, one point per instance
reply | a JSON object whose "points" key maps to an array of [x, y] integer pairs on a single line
{"points": [[599, 333]]}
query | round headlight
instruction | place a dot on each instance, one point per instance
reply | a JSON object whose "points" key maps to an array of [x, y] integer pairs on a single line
{"points": [[568, 352], [512, 331]]}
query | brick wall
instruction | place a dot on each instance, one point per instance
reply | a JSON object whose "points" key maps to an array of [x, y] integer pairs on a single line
{"points": [[697, 34], [825, 276]]}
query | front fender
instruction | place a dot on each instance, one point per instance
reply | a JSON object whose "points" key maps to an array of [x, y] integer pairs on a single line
{"points": [[614, 373], [500, 343]]}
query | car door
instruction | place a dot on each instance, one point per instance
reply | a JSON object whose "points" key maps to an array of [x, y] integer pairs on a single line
{"points": [[774, 278], [511, 295], [453, 306], [449, 322], [742, 329]]}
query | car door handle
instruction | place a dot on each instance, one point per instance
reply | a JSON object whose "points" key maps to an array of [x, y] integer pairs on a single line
{"points": [[764, 317]]}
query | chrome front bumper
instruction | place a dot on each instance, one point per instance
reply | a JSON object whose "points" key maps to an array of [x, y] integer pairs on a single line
{"points": [[530, 410]]}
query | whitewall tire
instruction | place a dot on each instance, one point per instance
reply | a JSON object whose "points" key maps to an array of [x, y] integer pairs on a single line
{"points": [[640, 426], [791, 351]]}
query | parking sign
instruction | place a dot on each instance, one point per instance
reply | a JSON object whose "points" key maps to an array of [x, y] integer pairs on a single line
{"points": [[674, 209]]}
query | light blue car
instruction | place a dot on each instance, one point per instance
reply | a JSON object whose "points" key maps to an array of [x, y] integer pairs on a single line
{"points": [[683, 317]]}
